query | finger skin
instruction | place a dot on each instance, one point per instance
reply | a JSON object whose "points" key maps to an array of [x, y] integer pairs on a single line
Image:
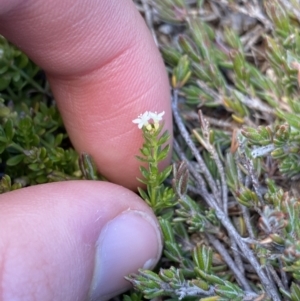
{"points": [[48, 235], [104, 70]]}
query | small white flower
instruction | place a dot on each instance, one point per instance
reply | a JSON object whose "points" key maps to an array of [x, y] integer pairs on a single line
{"points": [[142, 120], [156, 117]]}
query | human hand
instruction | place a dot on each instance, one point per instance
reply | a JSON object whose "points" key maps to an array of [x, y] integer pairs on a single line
{"points": [[77, 240]]}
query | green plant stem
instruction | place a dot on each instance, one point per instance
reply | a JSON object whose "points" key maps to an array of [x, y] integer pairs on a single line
{"points": [[29, 79], [153, 165], [12, 93]]}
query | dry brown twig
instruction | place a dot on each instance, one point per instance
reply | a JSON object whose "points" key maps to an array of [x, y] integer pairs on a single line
{"points": [[149, 19], [213, 202]]}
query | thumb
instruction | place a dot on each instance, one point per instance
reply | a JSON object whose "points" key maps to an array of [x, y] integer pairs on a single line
{"points": [[74, 241]]}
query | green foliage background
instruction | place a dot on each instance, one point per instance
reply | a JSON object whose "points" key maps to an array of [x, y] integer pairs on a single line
{"points": [[34, 146], [231, 219], [233, 231]]}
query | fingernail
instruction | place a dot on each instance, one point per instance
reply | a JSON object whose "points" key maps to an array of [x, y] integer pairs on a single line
{"points": [[130, 241]]}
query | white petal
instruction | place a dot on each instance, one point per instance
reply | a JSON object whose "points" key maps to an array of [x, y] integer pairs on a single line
{"points": [[142, 119], [156, 117], [160, 115], [136, 120]]}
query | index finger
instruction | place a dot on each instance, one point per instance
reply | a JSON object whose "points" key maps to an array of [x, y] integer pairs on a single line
{"points": [[104, 70]]}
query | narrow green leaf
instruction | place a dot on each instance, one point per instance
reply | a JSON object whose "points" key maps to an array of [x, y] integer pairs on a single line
{"points": [[167, 230], [143, 194], [163, 153], [213, 279], [295, 292], [9, 130], [15, 160], [163, 138], [202, 257]]}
